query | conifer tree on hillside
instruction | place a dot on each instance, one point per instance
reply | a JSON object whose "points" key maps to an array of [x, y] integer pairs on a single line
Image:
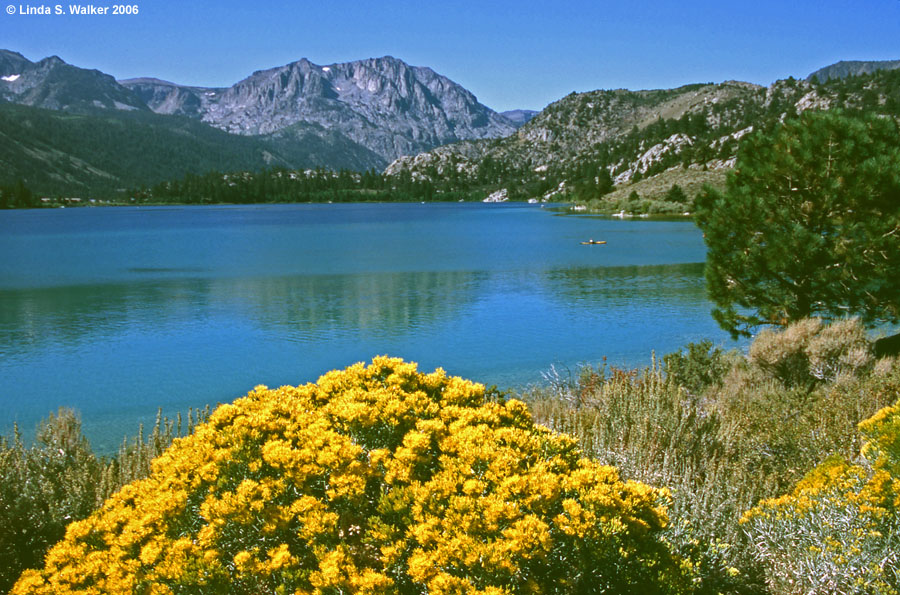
{"points": [[809, 224]]}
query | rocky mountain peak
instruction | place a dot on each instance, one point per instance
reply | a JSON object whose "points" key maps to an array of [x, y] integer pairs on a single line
{"points": [[51, 62], [383, 104], [12, 63], [381, 107], [51, 83]]}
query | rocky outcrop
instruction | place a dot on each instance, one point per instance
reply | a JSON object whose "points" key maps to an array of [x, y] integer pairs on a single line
{"points": [[501, 195], [569, 129]]}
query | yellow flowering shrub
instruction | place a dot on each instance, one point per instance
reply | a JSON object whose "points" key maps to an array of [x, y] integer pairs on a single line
{"points": [[839, 530], [377, 479]]}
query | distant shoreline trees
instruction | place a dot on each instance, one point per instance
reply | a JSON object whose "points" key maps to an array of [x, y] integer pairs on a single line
{"points": [[18, 196]]}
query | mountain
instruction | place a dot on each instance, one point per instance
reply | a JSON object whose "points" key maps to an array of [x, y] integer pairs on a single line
{"points": [[519, 117], [631, 147], [66, 129], [383, 104], [587, 126], [12, 63], [168, 98], [843, 69], [53, 84], [357, 115]]}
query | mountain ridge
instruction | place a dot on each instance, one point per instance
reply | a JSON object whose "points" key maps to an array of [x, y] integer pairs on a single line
{"points": [[357, 115], [846, 68], [383, 104], [51, 83], [62, 153], [354, 114], [585, 145]]}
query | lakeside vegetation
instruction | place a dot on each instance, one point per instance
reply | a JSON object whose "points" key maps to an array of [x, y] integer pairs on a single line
{"points": [[274, 185], [283, 186], [18, 196], [808, 225], [722, 432], [725, 431], [59, 479]]}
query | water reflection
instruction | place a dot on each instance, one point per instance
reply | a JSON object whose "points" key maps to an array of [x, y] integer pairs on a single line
{"points": [[579, 287], [301, 308], [385, 305], [33, 319], [319, 307]]}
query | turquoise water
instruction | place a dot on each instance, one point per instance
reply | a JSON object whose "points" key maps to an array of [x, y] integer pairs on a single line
{"points": [[119, 311]]}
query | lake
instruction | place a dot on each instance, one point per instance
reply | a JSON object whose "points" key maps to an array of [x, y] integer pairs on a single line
{"points": [[119, 311]]}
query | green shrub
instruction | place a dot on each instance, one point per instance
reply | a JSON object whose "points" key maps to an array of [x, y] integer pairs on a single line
{"points": [[677, 195], [59, 480], [44, 488], [698, 366]]}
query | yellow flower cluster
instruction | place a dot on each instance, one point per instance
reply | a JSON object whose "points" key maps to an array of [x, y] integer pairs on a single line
{"points": [[841, 519], [377, 479], [874, 488]]}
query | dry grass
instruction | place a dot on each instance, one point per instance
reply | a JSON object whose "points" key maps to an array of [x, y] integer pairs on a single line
{"points": [[655, 187]]}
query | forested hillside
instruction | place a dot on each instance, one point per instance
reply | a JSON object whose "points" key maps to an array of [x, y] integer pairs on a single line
{"points": [[588, 144], [104, 152]]}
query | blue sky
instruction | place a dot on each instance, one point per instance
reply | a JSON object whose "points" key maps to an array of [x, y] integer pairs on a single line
{"points": [[521, 54]]}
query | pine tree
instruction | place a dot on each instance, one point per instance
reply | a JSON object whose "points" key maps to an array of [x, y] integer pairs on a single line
{"points": [[809, 224], [22, 196], [676, 194]]}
